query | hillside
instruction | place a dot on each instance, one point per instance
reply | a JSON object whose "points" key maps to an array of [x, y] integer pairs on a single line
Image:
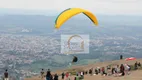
{"points": [[135, 75]]}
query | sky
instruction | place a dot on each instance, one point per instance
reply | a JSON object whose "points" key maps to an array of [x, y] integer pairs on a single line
{"points": [[127, 7]]}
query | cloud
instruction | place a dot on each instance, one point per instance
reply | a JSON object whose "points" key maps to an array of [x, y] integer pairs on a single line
{"points": [[96, 6], [27, 4]]}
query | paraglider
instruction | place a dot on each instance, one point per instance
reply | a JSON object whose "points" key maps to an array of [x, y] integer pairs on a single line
{"points": [[131, 58], [68, 13], [75, 59]]}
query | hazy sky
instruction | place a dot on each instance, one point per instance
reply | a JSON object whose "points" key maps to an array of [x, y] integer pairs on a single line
{"points": [[96, 6]]}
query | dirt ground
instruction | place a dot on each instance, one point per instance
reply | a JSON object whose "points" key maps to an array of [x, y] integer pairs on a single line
{"points": [[134, 75]]}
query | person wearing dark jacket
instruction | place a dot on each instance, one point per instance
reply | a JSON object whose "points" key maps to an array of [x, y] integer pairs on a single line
{"points": [[90, 71], [83, 73], [86, 72], [51, 77], [99, 70], [136, 66], [55, 77], [96, 71], [6, 75], [112, 70], [139, 64], [63, 75], [48, 75], [103, 71], [122, 69], [121, 57]]}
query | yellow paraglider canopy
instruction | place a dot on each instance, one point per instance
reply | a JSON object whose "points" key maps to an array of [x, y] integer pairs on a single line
{"points": [[68, 13]]}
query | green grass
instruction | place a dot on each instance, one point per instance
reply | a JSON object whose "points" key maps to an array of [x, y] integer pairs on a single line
{"points": [[140, 68], [133, 68], [73, 71]]}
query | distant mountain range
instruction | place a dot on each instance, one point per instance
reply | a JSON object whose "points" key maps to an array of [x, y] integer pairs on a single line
{"points": [[42, 24], [8, 11]]}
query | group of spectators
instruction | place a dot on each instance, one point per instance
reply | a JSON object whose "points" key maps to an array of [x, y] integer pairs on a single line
{"points": [[116, 70], [48, 75]]}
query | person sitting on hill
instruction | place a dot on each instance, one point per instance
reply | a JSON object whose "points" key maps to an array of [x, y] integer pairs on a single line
{"points": [[129, 67], [86, 72], [90, 71], [103, 71], [99, 70], [108, 71], [122, 69], [113, 70], [96, 71], [117, 69], [108, 67], [83, 73]]}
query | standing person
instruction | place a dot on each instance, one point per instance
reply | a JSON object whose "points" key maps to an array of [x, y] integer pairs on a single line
{"points": [[99, 70], [122, 70], [67, 76], [51, 77], [6, 75], [103, 71], [96, 71], [63, 75], [127, 69], [139, 64], [55, 77], [42, 74], [81, 75], [86, 72], [117, 69], [121, 57], [90, 72], [77, 77], [48, 75], [136, 65]]}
